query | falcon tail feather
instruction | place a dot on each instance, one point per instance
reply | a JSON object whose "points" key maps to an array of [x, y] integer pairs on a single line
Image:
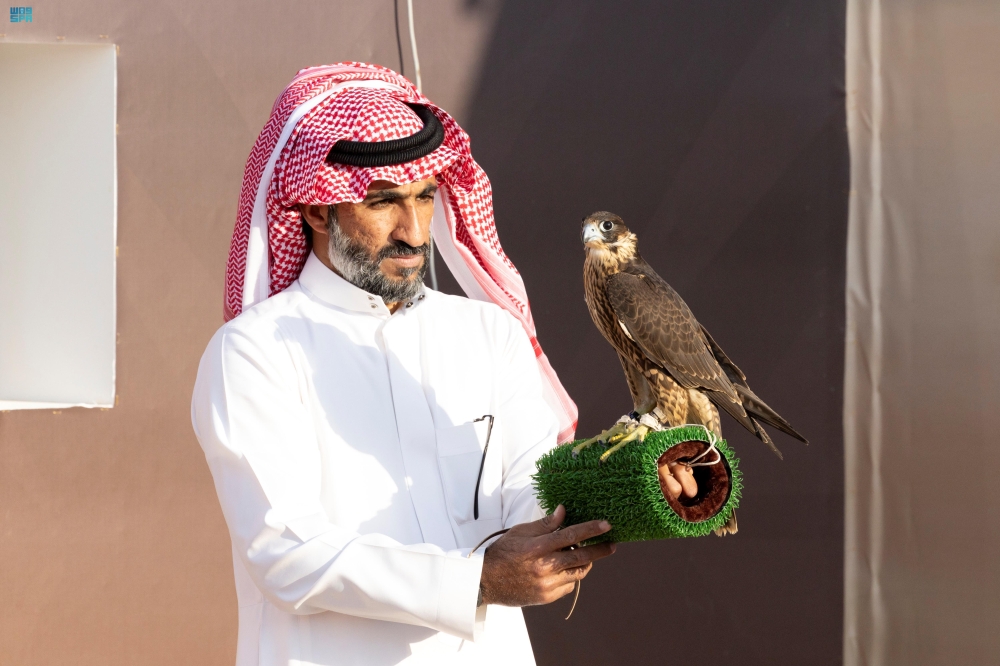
{"points": [[745, 420], [764, 437], [759, 410], [733, 408], [730, 526]]}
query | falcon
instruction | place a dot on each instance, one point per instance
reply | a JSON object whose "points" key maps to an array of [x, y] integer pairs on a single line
{"points": [[676, 372]]}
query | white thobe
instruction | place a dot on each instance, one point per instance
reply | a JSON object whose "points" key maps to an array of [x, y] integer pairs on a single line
{"points": [[345, 448]]}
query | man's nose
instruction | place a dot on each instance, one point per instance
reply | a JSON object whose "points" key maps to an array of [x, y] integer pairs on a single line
{"points": [[408, 227]]}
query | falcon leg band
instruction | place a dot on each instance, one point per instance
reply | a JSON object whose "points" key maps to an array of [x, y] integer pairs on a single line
{"points": [[629, 419], [650, 422]]}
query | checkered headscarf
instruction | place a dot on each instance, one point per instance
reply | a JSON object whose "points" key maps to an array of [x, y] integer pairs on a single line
{"points": [[287, 166]]}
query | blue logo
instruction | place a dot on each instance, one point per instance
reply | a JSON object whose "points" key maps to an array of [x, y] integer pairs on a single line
{"points": [[20, 14]]}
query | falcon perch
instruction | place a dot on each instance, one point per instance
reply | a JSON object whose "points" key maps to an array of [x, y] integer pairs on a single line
{"points": [[676, 372]]}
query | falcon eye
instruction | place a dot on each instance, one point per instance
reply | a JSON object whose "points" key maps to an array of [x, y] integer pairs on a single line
{"points": [[606, 225]]}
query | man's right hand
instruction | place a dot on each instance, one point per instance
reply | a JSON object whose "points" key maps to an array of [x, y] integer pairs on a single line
{"points": [[530, 565]]}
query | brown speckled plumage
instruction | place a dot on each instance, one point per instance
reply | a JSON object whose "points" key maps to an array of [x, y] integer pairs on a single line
{"points": [[673, 366]]}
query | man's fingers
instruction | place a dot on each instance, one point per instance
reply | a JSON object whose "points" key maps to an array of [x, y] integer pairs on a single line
{"points": [[674, 486], [542, 526], [581, 557], [685, 477], [576, 573], [574, 534]]}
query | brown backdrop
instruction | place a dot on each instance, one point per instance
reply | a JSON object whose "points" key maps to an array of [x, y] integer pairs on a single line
{"points": [[716, 131]]}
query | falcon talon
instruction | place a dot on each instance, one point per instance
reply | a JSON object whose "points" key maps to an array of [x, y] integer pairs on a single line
{"points": [[602, 439]]}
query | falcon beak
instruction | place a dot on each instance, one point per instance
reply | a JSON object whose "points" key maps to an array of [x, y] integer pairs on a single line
{"points": [[591, 234]]}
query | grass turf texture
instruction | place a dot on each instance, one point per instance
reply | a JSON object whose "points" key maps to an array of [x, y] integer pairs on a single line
{"points": [[625, 490]]}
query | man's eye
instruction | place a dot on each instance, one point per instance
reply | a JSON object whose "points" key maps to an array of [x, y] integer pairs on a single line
{"points": [[382, 203]]}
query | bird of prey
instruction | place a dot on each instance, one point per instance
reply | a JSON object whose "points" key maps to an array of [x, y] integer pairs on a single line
{"points": [[676, 372]]}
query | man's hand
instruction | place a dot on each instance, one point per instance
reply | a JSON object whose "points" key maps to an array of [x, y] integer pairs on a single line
{"points": [[677, 478], [530, 565]]}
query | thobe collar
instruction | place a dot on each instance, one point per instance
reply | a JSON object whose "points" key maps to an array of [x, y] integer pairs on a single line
{"points": [[328, 287]]}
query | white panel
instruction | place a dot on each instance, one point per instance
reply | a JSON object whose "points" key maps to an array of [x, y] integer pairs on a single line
{"points": [[57, 225]]}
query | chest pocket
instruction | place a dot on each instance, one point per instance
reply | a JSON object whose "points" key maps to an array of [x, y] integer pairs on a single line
{"points": [[460, 454]]}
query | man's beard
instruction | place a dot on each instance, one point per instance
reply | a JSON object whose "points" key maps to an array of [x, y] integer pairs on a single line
{"points": [[362, 270]]}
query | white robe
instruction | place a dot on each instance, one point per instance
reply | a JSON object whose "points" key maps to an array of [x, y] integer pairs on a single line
{"points": [[345, 452]]}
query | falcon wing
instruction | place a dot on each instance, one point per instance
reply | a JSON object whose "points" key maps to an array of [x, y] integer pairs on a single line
{"points": [[735, 375], [661, 323]]}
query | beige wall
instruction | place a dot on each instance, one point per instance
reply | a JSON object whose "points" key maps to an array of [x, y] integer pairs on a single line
{"points": [[715, 129], [112, 546], [923, 344]]}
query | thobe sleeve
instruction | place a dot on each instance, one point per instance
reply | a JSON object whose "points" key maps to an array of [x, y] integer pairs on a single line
{"points": [[530, 427], [262, 450]]}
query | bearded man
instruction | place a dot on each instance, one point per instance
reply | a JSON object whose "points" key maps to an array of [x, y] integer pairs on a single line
{"points": [[364, 432]]}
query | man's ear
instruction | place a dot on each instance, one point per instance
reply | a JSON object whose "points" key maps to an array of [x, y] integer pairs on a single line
{"points": [[315, 215]]}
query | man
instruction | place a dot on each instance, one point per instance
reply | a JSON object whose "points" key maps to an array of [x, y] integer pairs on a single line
{"points": [[366, 433]]}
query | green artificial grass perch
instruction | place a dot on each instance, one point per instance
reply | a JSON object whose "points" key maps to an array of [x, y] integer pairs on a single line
{"points": [[625, 489]]}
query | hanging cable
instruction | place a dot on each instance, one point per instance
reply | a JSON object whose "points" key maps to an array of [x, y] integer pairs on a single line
{"points": [[399, 40], [416, 68], [413, 44]]}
